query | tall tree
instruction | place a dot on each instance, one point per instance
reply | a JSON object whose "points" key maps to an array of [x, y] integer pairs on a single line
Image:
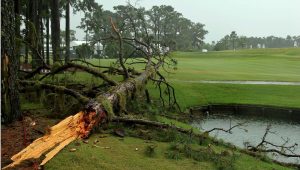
{"points": [[47, 25], [67, 57], [233, 37], [9, 63], [55, 30], [18, 25]]}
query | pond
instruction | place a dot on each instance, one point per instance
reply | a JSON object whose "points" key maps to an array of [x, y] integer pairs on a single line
{"points": [[253, 130]]}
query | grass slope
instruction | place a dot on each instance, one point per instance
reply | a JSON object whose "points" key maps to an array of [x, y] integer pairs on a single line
{"points": [[122, 154]]}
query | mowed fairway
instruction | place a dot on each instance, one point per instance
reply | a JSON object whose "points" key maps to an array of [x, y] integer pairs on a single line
{"points": [[254, 65], [261, 64]]}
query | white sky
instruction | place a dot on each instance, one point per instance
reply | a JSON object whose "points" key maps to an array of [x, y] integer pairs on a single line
{"points": [[246, 17]]}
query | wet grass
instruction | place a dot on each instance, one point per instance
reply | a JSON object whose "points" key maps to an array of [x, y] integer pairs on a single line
{"points": [[255, 64]]}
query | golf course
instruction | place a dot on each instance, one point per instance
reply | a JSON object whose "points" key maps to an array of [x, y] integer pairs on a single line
{"points": [[150, 85], [267, 65]]}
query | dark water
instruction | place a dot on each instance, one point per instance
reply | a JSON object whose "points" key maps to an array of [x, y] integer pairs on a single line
{"points": [[255, 129]]}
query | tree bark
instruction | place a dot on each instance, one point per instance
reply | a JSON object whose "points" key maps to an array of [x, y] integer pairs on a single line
{"points": [[47, 37], [42, 38], [17, 27], [67, 57], [26, 33], [36, 17], [31, 35], [10, 64], [55, 30]]}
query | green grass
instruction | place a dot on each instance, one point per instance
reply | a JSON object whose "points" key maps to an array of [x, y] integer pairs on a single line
{"points": [[196, 94], [255, 64], [123, 155], [262, 64]]}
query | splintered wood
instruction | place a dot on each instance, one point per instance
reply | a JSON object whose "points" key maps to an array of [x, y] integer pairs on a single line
{"points": [[56, 139]]}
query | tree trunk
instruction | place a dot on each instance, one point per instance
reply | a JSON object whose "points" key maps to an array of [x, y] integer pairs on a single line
{"points": [[17, 28], [31, 34], [35, 33], [42, 38], [37, 60], [26, 33], [55, 30], [67, 57], [47, 38], [9, 66]]}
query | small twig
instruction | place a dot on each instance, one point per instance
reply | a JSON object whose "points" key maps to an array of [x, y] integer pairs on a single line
{"points": [[227, 130]]}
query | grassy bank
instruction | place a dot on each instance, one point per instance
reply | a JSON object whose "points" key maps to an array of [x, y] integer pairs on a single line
{"points": [[122, 154]]}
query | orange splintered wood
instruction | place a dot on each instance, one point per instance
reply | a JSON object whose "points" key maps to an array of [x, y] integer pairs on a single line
{"points": [[59, 136]]}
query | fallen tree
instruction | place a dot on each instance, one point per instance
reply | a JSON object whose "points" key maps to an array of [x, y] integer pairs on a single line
{"points": [[80, 125], [100, 108], [97, 110]]}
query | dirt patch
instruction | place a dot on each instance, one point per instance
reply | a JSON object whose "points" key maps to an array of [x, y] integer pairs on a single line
{"points": [[19, 134]]}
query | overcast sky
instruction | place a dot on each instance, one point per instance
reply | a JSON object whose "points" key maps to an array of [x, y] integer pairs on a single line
{"points": [[246, 17]]}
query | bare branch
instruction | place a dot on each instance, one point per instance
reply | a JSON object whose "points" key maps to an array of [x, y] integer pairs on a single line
{"points": [[84, 68], [63, 89], [126, 75], [227, 130], [287, 151]]}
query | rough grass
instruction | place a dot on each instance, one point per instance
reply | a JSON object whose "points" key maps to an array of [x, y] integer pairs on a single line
{"points": [[122, 154]]}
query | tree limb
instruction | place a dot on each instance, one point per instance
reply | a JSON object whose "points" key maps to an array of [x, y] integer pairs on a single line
{"points": [[63, 89], [279, 149], [36, 71], [126, 75], [227, 130], [83, 68]]}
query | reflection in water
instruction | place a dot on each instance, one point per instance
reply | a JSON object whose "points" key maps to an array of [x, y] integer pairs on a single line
{"points": [[255, 129]]}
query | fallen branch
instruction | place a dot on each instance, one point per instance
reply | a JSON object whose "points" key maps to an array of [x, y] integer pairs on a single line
{"points": [[227, 130], [62, 89], [83, 68], [35, 72], [151, 123], [126, 75], [287, 151]]}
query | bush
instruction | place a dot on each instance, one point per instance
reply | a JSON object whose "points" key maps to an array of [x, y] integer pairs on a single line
{"points": [[84, 51], [150, 150]]}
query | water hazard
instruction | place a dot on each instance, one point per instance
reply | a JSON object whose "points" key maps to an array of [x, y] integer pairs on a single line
{"points": [[253, 131]]}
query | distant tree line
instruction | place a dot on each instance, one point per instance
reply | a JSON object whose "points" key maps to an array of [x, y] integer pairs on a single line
{"points": [[233, 42]]}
